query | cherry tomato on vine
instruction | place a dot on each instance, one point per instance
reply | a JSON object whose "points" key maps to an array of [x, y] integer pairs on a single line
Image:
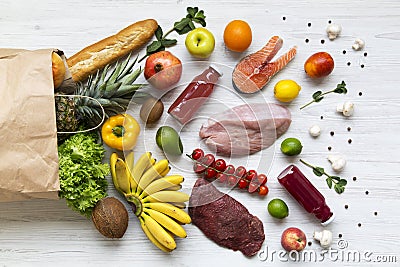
{"points": [[262, 179], [203, 163], [240, 171], [220, 165], [197, 153], [232, 180], [250, 175], [210, 173], [253, 187], [263, 190], [230, 169], [243, 183], [221, 177]]}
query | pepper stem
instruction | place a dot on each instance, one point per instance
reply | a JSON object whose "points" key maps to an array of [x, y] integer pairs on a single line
{"points": [[118, 131]]}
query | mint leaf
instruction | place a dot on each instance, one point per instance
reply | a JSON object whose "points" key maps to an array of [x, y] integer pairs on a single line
{"points": [[192, 11], [337, 178], [318, 171], [180, 25], [154, 47], [316, 94], [168, 42], [339, 189], [329, 182], [159, 33]]}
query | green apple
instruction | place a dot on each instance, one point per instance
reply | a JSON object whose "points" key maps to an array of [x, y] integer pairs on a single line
{"points": [[200, 42]]}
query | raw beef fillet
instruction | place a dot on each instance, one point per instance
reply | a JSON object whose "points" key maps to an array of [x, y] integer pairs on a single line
{"points": [[224, 220], [245, 129]]}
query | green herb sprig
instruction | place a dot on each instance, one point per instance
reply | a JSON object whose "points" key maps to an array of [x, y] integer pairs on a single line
{"points": [[185, 25], [338, 183], [319, 95]]}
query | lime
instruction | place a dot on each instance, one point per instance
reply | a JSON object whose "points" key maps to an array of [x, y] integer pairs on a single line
{"points": [[169, 141], [277, 208], [291, 146], [286, 90]]}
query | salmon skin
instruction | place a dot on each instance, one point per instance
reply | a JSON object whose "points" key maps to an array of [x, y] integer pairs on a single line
{"points": [[254, 71]]}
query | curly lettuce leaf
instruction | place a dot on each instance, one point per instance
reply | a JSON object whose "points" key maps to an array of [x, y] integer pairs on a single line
{"points": [[82, 173]]}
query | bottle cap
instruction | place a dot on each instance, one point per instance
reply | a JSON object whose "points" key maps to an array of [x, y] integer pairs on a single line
{"points": [[217, 69], [325, 223]]}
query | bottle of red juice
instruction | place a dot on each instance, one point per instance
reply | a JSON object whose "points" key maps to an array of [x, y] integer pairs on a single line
{"points": [[306, 194], [195, 94]]}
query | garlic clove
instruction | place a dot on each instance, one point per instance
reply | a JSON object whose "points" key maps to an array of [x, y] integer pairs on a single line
{"points": [[333, 31], [338, 162], [325, 238], [346, 108], [358, 44]]}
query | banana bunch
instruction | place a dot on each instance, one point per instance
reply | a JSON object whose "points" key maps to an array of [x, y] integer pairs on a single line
{"points": [[156, 198]]}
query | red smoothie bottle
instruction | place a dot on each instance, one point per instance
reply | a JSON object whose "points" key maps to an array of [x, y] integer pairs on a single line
{"points": [[195, 94], [305, 193]]}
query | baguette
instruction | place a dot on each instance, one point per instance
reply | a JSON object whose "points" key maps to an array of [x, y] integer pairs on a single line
{"points": [[98, 55]]}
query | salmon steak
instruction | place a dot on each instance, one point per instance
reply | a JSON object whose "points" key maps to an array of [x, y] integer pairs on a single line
{"points": [[254, 71]]}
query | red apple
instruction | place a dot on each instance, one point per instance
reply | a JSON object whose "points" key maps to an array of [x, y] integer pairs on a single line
{"points": [[319, 65], [162, 70], [293, 239]]}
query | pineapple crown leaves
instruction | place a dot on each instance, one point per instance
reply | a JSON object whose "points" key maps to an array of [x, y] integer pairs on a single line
{"points": [[113, 87]]}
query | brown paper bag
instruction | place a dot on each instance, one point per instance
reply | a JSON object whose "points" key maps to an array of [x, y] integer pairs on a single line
{"points": [[28, 136]]}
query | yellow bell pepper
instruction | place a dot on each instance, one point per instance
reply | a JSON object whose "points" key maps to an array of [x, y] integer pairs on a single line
{"points": [[120, 132]]}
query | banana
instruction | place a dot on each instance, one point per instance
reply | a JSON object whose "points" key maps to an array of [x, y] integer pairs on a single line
{"points": [[143, 163], [130, 161], [180, 205], [165, 172], [159, 232], [170, 210], [167, 222], [151, 237], [175, 187], [122, 176], [167, 196], [151, 174], [113, 162], [161, 184]]}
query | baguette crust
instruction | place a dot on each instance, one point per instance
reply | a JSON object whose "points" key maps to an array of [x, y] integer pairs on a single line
{"points": [[98, 55]]}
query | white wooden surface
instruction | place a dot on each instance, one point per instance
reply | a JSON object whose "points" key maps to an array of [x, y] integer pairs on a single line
{"points": [[47, 233]]}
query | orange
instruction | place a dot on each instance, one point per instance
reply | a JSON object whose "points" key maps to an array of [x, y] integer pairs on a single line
{"points": [[237, 35]]}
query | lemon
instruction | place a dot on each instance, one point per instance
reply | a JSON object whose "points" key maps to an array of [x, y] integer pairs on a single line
{"points": [[277, 208], [291, 146], [169, 141], [286, 90]]}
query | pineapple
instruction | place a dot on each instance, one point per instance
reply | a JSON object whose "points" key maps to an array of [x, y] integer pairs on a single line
{"points": [[114, 92]]}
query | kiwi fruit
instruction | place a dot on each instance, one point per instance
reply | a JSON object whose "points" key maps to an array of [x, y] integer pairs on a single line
{"points": [[110, 217], [151, 110]]}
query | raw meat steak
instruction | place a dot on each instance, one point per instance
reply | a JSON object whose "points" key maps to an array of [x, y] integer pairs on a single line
{"points": [[224, 220]]}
